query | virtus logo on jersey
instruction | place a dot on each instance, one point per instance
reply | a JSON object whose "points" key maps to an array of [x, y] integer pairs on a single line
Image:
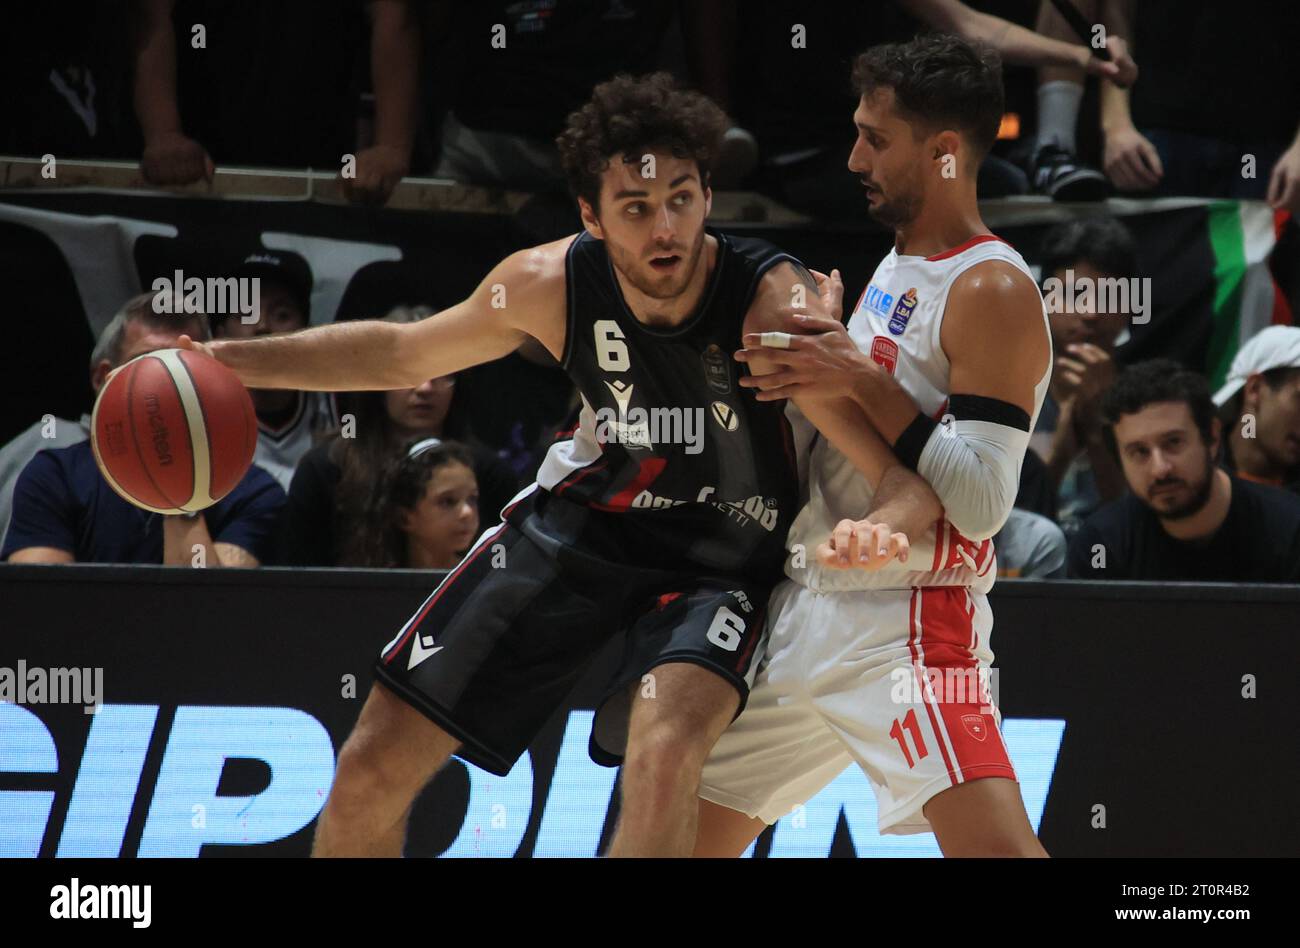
{"points": [[903, 312]]}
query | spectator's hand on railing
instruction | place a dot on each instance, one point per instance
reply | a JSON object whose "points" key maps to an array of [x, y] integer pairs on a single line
{"points": [[1284, 182], [379, 169], [1131, 161], [1121, 70], [173, 158]]}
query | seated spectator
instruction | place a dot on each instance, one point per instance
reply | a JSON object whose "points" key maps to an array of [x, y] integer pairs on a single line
{"points": [[288, 422], [1068, 432], [65, 512], [331, 496], [1260, 409], [425, 514], [134, 328], [1186, 519], [1030, 546], [1220, 84]]}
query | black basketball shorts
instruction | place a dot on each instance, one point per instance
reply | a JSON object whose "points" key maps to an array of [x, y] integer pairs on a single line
{"points": [[501, 642]]}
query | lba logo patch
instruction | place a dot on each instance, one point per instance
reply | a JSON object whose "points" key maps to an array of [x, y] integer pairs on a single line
{"points": [[903, 312], [884, 351]]}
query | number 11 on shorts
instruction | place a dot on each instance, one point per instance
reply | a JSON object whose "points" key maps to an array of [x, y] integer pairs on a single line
{"points": [[896, 732]]}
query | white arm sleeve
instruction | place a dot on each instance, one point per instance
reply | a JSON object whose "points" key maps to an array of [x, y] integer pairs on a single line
{"points": [[974, 468]]}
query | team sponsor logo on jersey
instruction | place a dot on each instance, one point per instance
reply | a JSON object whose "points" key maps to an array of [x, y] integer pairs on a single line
{"points": [[884, 351], [975, 726], [765, 511], [726, 416], [877, 300], [903, 312], [716, 370]]}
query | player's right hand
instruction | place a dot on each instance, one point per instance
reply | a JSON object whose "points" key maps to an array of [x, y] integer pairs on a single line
{"points": [[185, 342], [173, 158], [862, 544]]}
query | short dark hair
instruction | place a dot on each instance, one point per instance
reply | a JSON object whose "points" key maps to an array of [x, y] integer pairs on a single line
{"points": [[939, 81], [1103, 242], [634, 116], [1151, 382]]}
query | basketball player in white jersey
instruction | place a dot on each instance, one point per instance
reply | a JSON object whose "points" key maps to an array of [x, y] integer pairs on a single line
{"points": [[948, 354]]}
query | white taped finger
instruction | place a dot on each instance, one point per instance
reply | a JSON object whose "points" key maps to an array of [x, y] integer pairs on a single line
{"points": [[775, 340]]}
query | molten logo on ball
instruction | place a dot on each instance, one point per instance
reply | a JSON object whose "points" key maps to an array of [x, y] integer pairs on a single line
{"points": [[159, 429], [173, 431]]}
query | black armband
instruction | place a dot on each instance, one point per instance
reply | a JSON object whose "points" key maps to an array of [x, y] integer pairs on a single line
{"points": [[913, 440], [980, 408]]}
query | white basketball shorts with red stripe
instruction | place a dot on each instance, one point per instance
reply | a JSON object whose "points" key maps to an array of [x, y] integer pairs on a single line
{"points": [[892, 679]]}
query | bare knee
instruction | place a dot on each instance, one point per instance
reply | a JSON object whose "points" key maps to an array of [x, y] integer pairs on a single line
{"points": [[666, 750], [391, 754]]}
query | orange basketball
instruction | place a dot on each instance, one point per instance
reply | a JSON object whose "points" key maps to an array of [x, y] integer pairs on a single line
{"points": [[173, 431]]}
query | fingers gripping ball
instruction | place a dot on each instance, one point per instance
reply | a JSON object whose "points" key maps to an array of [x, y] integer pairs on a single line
{"points": [[173, 431]]}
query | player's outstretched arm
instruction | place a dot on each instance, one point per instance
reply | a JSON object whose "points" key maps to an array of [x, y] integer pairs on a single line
{"points": [[373, 355]]}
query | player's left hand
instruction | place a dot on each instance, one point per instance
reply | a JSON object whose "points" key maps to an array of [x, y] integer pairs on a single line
{"points": [[379, 169], [816, 358], [861, 544]]}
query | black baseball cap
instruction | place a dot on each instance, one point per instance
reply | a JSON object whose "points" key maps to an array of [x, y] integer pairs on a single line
{"points": [[287, 269]]}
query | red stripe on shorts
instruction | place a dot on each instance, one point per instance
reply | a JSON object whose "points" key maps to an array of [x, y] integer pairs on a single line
{"points": [[946, 630]]}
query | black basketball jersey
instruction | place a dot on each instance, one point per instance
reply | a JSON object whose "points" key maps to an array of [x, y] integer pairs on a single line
{"points": [[672, 462]]}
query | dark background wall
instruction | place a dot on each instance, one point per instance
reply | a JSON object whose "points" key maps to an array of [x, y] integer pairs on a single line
{"points": [[1147, 678]]}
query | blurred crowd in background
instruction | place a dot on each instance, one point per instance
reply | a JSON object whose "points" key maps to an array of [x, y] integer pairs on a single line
{"points": [[477, 91], [1140, 472]]}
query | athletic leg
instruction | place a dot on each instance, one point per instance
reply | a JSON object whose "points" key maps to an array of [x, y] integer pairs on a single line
{"points": [[983, 818], [670, 735], [724, 833], [391, 754]]}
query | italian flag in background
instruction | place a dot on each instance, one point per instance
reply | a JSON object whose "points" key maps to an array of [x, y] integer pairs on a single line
{"points": [[1247, 292]]}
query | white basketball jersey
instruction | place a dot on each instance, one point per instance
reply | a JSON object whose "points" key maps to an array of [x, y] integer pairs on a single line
{"points": [[280, 449], [897, 322]]}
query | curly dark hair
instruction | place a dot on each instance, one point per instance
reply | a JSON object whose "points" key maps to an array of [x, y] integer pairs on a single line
{"points": [[1153, 381], [939, 81], [633, 116], [382, 544]]}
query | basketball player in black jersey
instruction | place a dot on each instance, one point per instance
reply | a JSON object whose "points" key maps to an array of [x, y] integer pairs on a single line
{"points": [[663, 519]]}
